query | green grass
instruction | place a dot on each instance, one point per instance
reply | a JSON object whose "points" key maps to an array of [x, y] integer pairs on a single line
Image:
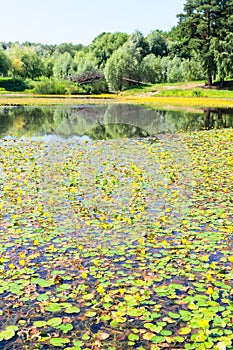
{"points": [[180, 89]]}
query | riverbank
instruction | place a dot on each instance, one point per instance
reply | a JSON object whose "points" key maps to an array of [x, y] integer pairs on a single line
{"points": [[154, 101]]}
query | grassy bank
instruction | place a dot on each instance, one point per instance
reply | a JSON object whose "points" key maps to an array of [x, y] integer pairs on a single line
{"points": [[177, 95], [153, 101]]}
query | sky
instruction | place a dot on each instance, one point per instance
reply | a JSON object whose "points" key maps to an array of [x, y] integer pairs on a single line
{"points": [[80, 21]]}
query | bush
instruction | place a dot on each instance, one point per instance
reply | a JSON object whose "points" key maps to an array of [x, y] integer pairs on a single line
{"points": [[97, 87], [196, 93], [56, 87], [13, 84]]}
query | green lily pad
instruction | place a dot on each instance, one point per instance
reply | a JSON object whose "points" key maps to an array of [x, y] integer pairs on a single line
{"points": [[90, 314], [7, 334], [54, 322], [40, 324], [66, 327], [59, 342], [133, 337]]}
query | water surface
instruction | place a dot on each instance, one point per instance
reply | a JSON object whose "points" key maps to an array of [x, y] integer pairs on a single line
{"points": [[105, 121]]}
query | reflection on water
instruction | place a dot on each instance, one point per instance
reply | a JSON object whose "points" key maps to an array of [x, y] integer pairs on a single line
{"points": [[104, 121]]}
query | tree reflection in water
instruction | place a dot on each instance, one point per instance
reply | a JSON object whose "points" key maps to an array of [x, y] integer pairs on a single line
{"points": [[106, 121]]}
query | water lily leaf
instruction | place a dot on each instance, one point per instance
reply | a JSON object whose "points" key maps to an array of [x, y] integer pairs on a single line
{"points": [[179, 339], [156, 339], [40, 324], [7, 334], [66, 327], [174, 315], [135, 312], [185, 330], [152, 327], [114, 324], [78, 343], [133, 337], [72, 310], [54, 322], [42, 297], [59, 342], [90, 314], [53, 307]]}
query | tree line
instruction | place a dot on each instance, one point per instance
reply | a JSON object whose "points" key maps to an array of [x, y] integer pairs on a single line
{"points": [[199, 47]]}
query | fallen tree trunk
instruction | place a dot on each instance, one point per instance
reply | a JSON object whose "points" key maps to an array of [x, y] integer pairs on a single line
{"points": [[134, 81]]}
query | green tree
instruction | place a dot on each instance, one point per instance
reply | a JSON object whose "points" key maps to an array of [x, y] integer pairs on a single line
{"points": [[68, 47], [84, 63], [151, 69], [17, 65], [206, 28], [5, 62], [157, 43], [48, 63], [25, 62], [138, 43], [62, 66], [222, 44], [33, 64], [124, 63], [105, 44]]}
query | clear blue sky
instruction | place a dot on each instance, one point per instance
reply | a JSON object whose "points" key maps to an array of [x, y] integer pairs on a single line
{"points": [[80, 21]]}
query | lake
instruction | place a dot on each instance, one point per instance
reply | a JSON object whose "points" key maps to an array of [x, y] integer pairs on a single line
{"points": [[105, 121], [115, 228]]}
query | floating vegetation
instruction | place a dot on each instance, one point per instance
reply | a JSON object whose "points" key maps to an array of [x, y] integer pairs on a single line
{"points": [[117, 244], [153, 101]]}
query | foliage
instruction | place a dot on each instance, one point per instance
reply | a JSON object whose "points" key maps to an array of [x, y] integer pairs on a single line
{"points": [[124, 63], [85, 63], [62, 66], [67, 47], [52, 86], [138, 43], [157, 43], [15, 84], [25, 63], [5, 63], [151, 69], [33, 64], [117, 243], [105, 44], [48, 66], [206, 27], [199, 46]]}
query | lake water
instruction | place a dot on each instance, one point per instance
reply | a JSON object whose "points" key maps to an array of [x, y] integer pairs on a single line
{"points": [[105, 121], [117, 243]]}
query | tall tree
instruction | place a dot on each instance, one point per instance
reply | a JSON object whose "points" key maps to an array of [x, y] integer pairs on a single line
{"points": [[33, 63], [5, 63], [199, 28], [139, 44], [62, 66], [222, 44], [157, 43], [105, 44], [123, 64]]}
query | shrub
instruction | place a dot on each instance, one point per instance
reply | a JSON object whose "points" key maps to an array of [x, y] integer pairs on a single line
{"points": [[13, 84], [56, 87], [196, 92]]}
